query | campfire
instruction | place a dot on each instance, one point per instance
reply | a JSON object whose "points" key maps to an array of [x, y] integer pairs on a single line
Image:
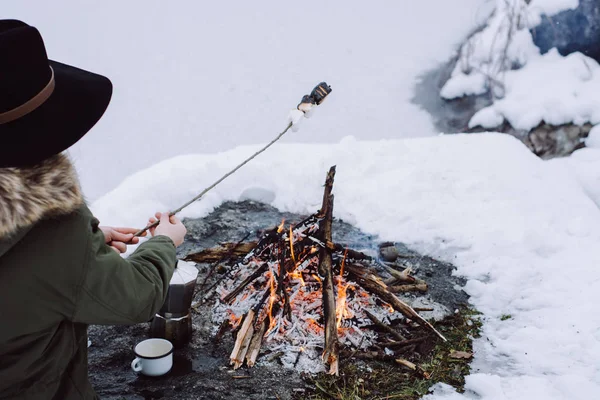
{"points": [[298, 295]]}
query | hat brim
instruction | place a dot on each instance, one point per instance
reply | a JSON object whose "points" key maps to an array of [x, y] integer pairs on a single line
{"points": [[78, 101]]}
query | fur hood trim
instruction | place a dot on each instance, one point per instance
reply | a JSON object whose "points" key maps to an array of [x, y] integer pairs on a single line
{"points": [[30, 194]]}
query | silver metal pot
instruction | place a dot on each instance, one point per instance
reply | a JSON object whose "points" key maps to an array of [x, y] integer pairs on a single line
{"points": [[174, 321]]}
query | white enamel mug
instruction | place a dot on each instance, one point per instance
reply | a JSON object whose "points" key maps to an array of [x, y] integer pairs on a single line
{"points": [[154, 357]]}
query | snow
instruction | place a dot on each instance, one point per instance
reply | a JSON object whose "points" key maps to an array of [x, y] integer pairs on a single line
{"points": [[593, 139], [584, 167], [566, 91], [201, 77], [528, 88], [524, 232]]}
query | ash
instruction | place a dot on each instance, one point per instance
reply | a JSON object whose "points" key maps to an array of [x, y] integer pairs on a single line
{"points": [[201, 369]]}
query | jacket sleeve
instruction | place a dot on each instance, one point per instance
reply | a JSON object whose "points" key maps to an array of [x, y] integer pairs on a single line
{"points": [[114, 290]]}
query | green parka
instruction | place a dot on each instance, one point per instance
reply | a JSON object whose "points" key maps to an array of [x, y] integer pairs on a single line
{"points": [[57, 275]]}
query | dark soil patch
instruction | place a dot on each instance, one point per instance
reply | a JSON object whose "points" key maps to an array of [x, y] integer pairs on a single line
{"points": [[201, 369], [381, 380]]}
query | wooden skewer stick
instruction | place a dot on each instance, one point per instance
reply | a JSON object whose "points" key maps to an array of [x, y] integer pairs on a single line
{"points": [[198, 197], [318, 95]]}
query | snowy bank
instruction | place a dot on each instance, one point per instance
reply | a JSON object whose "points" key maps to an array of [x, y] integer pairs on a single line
{"points": [[522, 231], [528, 88]]}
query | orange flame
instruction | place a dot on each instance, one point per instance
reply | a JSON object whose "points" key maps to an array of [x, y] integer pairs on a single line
{"points": [[280, 228], [272, 298], [341, 311], [314, 326], [234, 320], [298, 275]]}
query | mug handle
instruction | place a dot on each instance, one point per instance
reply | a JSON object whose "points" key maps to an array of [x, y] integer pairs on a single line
{"points": [[136, 365]]}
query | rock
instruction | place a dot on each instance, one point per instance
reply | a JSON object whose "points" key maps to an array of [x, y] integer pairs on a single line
{"points": [[388, 252], [571, 30], [548, 141]]}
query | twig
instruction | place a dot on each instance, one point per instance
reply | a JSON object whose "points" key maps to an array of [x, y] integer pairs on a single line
{"points": [[383, 326], [214, 265]]}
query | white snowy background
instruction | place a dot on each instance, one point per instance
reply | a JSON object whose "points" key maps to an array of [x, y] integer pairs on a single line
{"points": [[198, 77], [205, 79]]}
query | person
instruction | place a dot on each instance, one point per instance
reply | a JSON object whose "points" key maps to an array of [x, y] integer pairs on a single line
{"points": [[59, 270]]}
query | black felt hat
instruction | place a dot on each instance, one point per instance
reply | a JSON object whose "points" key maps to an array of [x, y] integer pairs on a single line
{"points": [[45, 106]]}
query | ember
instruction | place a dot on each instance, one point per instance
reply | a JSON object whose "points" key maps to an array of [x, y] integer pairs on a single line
{"points": [[298, 292]]}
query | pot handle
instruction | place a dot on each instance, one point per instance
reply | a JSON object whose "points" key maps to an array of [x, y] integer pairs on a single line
{"points": [[136, 365]]}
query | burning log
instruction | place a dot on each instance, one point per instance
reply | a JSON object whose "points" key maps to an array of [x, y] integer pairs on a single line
{"points": [[254, 348], [376, 286], [242, 341], [287, 309], [331, 349]]}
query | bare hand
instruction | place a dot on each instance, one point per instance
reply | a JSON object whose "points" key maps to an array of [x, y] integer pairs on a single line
{"points": [[119, 238], [169, 226]]}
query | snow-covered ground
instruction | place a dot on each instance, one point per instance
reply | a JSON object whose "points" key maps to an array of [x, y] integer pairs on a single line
{"points": [[521, 230], [200, 77]]}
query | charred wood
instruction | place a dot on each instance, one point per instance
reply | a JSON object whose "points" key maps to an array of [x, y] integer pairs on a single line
{"points": [[376, 286], [331, 347], [421, 287], [384, 327], [255, 275], [255, 343]]}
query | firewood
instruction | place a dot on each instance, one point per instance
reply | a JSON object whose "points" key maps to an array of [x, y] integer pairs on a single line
{"points": [[246, 330], [369, 355], [376, 286], [239, 361], [421, 287], [287, 309], [255, 275], [254, 348], [384, 327], [331, 346], [326, 194], [403, 343], [417, 369], [218, 254], [215, 265]]}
